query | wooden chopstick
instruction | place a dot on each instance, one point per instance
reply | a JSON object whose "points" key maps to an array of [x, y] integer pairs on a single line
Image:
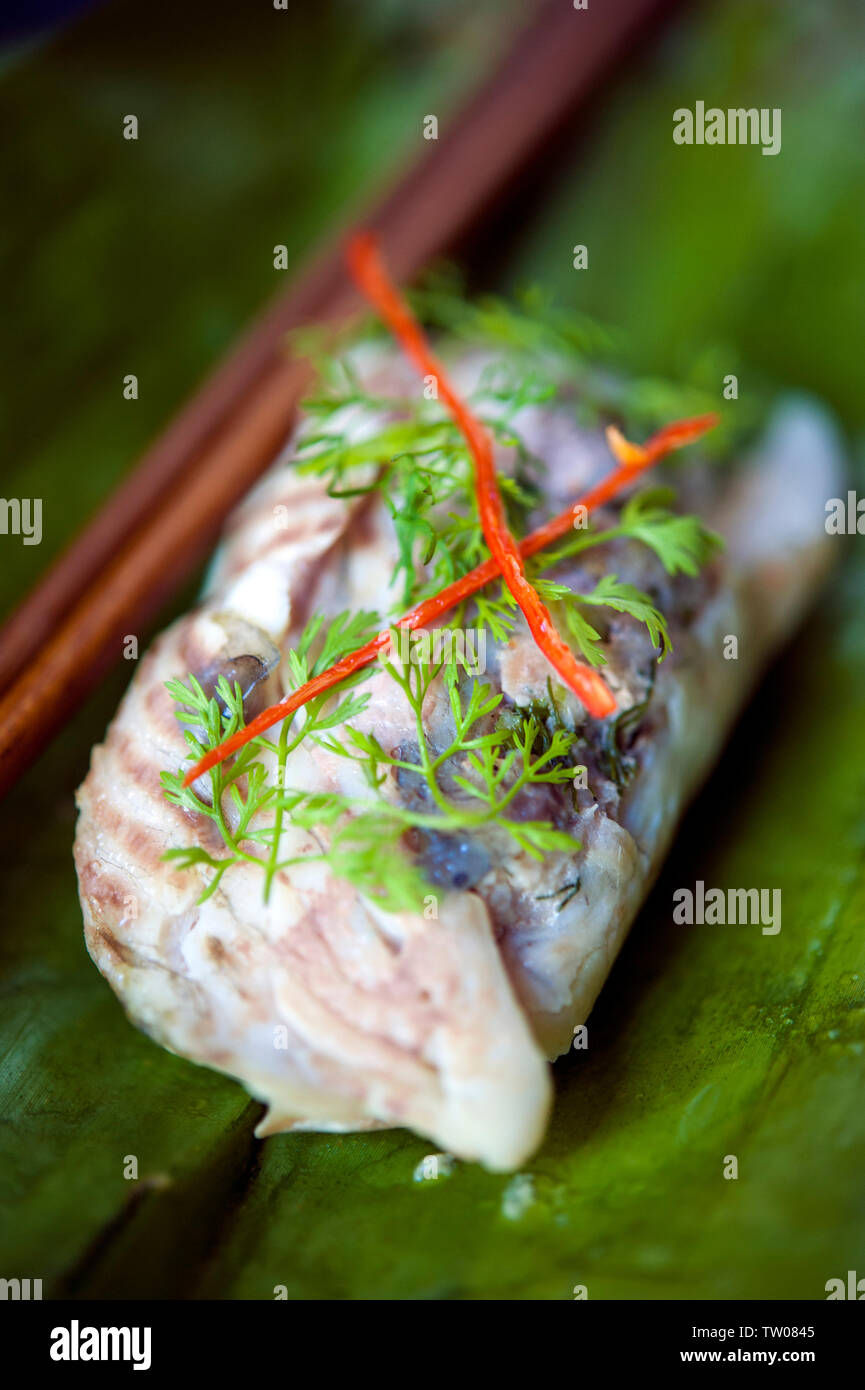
{"points": [[160, 523]]}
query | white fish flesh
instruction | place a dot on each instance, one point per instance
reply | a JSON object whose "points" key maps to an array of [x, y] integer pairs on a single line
{"points": [[333, 1012]]}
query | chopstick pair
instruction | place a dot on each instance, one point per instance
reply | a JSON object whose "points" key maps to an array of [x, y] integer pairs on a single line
{"points": [[162, 520]]}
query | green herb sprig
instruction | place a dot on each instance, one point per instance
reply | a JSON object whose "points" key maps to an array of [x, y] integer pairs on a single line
{"points": [[418, 463], [497, 763], [251, 804]]}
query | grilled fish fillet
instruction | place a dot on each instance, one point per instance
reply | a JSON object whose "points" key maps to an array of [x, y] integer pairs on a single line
{"points": [[339, 1015]]}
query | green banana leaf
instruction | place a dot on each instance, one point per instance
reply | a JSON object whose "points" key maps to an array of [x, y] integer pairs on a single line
{"points": [[707, 1042]]}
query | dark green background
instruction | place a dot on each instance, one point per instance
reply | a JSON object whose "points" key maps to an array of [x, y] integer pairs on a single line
{"points": [[149, 257]]}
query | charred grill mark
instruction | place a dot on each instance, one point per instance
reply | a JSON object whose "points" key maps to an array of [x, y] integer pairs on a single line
{"points": [[282, 537], [122, 748], [290, 514], [358, 529], [120, 954], [101, 888], [160, 711], [125, 749]]}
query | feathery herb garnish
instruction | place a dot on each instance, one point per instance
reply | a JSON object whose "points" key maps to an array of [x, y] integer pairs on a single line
{"points": [[430, 610], [489, 762], [545, 347], [618, 766], [242, 791], [421, 464], [682, 543]]}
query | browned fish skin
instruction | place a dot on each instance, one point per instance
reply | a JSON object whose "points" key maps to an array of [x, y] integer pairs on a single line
{"points": [[341, 1015]]}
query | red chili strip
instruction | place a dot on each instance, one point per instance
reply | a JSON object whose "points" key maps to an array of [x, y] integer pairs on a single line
{"points": [[372, 279]]}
